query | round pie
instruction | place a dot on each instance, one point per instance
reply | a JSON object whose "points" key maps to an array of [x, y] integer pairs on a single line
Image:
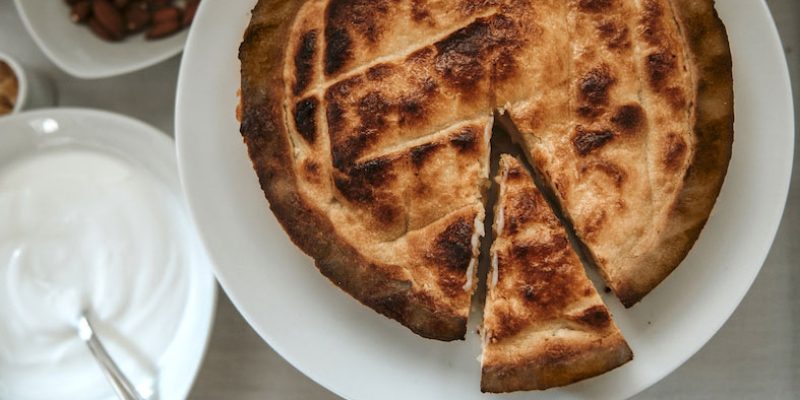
{"points": [[369, 124]]}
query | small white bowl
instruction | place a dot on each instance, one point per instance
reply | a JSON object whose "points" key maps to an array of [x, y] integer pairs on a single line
{"points": [[34, 90], [150, 149], [77, 51]]}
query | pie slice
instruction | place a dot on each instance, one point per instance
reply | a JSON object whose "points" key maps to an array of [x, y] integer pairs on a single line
{"points": [[544, 325]]}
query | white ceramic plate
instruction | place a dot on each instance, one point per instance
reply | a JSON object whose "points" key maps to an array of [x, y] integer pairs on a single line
{"points": [[359, 354], [77, 51], [146, 147]]}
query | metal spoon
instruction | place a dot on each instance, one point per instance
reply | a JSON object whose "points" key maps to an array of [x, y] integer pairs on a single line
{"points": [[122, 386]]}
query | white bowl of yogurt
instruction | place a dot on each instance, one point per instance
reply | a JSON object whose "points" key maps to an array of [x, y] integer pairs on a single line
{"points": [[93, 219]]}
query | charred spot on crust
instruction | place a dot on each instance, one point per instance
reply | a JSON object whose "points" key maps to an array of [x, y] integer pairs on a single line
{"points": [[393, 306], [420, 56], [374, 172], [345, 152], [335, 107], [338, 48], [411, 110], [372, 109], [651, 19], [628, 118], [380, 71], [362, 180], [595, 223], [361, 17], [356, 119], [347, 146], [521, 208], [675, 151], [514, 173], [547, 280], [311, 171], [452, 284], [305, 118], [459, 70], [420, 12], [304, 61], [508, 324], [469, 7], [594, 86], [311, 167], [421, 153], [463, 55], [594, 5], [659, 67], [386, 213], [539, 252], [676, 97], [355, 193], [589, 112], [453, 247], [335, 116], [528, 292], [465, 140], [595, 316], [343, 89], [586, 141], [504, 66], [429, 86], [615, 36]]}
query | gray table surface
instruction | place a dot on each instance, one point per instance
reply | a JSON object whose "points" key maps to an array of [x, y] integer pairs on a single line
{"points": [[756, 355]]}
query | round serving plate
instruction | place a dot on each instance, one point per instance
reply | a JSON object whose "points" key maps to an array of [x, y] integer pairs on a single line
{"points": [[359, 354], [143, 147]]}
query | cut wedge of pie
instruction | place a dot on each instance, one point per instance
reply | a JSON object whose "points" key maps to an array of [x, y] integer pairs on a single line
{"points": [[544, 325], [368, 123]]}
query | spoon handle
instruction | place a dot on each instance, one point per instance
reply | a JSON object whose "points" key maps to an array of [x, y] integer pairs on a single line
{"points": [[122, 386]]}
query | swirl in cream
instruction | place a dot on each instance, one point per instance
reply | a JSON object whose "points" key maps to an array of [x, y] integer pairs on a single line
{"points": [[81, 229]]}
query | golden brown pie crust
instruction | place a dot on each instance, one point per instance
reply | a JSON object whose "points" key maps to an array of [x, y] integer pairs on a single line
{"points": [[544, 324], [367, 123]]}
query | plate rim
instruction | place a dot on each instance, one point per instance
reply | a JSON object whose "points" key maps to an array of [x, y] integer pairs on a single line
{"points": [[782, 186]]}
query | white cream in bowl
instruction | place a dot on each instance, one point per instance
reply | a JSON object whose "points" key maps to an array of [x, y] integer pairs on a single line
{"points": [[84, 229]]}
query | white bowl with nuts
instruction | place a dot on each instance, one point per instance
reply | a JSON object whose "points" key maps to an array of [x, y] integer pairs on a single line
{"points": [[12, 86], [101, 38]]}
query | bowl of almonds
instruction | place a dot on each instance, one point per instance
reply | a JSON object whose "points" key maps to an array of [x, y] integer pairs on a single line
{"points": [[11, 78], [102, 38]]}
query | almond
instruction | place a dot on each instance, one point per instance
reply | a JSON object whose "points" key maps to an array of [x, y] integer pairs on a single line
{"points": [[163, 29], [157, 4], [169, 13], [136, 17], [189, 12], [109, 17], [98, 29], [80, 11]]}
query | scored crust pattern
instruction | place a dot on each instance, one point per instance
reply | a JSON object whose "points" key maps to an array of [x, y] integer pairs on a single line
{"points": [[368, 123]]}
